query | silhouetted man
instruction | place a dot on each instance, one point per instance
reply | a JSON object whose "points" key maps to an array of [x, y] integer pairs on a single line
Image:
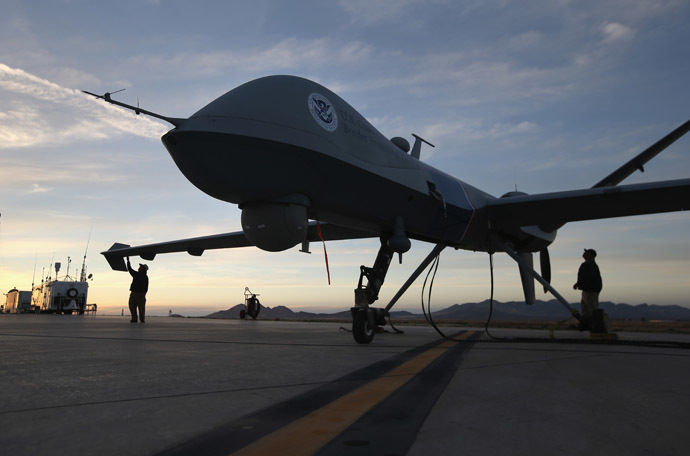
{"points": [[589, 281], [138, 289]]}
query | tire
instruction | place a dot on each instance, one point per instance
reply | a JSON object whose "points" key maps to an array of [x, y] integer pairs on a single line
{"points": [[363, 327], [243, 314]]}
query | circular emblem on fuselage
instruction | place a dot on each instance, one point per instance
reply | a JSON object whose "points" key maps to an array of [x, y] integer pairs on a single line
{"points": [[323, 111]]}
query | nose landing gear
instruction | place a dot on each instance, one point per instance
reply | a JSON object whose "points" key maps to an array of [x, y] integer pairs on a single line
{"points": [[365, 319]]}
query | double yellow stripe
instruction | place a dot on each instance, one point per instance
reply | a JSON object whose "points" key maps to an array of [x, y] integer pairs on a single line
{"points": [[307, 435]]}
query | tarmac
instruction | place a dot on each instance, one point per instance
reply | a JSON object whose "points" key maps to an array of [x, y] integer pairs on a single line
{"points": [[103, 386]]}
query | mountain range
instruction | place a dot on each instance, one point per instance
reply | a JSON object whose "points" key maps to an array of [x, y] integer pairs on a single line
{"points": [[479, 311]]}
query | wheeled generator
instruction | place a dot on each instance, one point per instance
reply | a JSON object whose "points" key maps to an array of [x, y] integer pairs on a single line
{"points": [[251, 304]]}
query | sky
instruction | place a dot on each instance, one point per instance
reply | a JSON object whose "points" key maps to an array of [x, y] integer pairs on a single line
{"points": [[540, 96]]}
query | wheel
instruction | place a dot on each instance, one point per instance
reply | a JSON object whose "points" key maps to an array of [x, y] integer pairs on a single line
{"points": [[363, 328], [243, 314]]}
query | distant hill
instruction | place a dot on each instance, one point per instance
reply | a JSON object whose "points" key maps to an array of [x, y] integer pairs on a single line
{"points": [[540, 310], [553, 310], [279, 312]]}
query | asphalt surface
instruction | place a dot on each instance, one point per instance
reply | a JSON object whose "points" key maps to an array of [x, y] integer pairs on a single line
{"points": [[101, 385]]}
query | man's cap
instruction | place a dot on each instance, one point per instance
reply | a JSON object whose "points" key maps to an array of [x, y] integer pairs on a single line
{"points": [[591, 252], [143, 266]]}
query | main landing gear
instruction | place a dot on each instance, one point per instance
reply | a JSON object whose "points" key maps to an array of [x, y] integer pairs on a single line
{"points": [[366, 319]]}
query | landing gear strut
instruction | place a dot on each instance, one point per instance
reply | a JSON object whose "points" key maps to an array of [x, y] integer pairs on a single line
{"points": [[366, 319]]}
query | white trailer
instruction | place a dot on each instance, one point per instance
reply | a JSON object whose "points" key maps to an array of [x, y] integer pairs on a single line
{"points": [[60, 296], [18, 301]]}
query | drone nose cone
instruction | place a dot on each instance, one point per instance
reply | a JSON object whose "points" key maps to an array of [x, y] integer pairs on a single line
{"points": [[169, 140], [284, 109], [280, 125]]}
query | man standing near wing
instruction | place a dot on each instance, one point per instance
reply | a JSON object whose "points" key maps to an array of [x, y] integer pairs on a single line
{"points": [[589, 281], [138, 289]]}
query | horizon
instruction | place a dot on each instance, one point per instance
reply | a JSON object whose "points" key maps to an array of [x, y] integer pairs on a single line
{"points": [[160, 311]]}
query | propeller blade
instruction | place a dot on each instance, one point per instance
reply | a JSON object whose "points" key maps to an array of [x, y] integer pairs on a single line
{"points": [[545, 262]]}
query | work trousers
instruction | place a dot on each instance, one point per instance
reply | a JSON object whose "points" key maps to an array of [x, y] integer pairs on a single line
{"points": [[589, 303], [137, 300]]}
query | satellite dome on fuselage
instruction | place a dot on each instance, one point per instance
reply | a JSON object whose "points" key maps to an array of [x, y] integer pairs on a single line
{"points": [[273, 99]]}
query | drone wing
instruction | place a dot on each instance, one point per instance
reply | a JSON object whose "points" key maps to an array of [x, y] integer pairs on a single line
{"points": [[550, 211], [196, 246], [638, 162]]}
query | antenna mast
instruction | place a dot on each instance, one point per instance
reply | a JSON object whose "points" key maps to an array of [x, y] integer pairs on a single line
{"points": [[33, 278], [69, 261], [82, 277], [50, 269]]}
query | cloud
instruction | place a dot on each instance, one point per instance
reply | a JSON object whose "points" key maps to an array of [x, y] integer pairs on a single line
{"points": [[370, 12], [39, 112], [448, 134], [19, 81], [21, 127], [526, 39], [474, 130], [23, 171], [73, 77], [614, 32], [36, 188], [292, 53], [462, 79], [373, 11], [288, 54]]}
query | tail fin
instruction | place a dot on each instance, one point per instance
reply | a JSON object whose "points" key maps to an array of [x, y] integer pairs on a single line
{"points": [[115, 260]]}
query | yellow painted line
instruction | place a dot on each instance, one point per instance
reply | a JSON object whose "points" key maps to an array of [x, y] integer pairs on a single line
{"points": [[308, 434]]}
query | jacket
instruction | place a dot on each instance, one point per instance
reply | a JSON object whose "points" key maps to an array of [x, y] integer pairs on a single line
{"points": [[140, 281], [588, 277]]}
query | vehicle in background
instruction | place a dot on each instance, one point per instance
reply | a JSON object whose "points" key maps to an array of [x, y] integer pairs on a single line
{"points": [[61, 296], [18, 301]]}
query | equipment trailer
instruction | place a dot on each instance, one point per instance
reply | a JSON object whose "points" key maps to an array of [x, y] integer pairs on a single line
{"points": [[61, 296]]}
